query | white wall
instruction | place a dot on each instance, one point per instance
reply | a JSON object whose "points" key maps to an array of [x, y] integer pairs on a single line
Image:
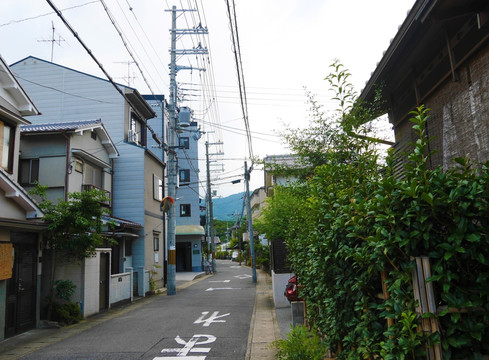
{"points": [[92, 285], [120, 287], [279, 282]]}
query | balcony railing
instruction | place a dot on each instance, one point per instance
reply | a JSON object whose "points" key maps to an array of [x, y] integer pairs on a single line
{"points": [[88, 187]]}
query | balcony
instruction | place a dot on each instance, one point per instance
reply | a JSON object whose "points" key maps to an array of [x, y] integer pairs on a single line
{"points": [[106, 203]]}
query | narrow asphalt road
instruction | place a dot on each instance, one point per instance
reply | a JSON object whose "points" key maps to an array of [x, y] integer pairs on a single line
{"points": [[208, 320]]}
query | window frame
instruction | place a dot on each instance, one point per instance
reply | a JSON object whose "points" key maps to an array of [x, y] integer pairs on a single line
{"points": [[184, 142], [186, 177], [30, 177], [157, 188], [156, 241], [9, 145], [127, 247], [183, 210], [138, 127]]}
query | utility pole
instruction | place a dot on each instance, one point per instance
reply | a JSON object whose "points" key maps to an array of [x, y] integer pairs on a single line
{"points": [[210, 204], [250, 221], [172, 161], [172, 138]]}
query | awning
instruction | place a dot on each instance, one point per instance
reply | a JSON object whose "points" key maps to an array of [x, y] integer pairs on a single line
{"points": [[189, 230]]}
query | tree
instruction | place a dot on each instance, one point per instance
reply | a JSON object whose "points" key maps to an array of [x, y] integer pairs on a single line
{"points": [[74, 227], [221, 228]]}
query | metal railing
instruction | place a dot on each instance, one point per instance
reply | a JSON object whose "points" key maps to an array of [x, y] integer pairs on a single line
{"points": [[87, 187]]}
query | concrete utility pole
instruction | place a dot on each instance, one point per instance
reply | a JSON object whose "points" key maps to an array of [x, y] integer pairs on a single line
{"points": [[250, 221], [210, 204], [172, 138], [172, 161]]}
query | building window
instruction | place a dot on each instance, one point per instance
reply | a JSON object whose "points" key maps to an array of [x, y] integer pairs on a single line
{"points": [[128, 247], [137, 131], [29, 171], [93, 135], [184, 143], [184, 210], [156, 242], [7, 134], [78, 166], [157, 188], [184, 175]]}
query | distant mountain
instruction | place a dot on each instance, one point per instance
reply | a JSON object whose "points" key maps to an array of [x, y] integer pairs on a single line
{"points": [[225, 208]]}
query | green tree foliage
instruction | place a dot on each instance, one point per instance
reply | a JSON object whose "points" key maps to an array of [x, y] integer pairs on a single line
{"points": [[221, 228], [74, 227], [350, 218]]}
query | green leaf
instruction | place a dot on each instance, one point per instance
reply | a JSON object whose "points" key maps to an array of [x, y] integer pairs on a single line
{"points": [[473, 237]]}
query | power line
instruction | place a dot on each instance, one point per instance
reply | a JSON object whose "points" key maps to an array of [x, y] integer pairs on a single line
{"points": [[239, 69], [147, 38], [75, 34], [124, 41], [46, 14]]}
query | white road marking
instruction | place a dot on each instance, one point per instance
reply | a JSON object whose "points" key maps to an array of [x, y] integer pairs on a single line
{"points": [[189, 346], [226, 288], [219, 281], [243, 276], [211, 319]]}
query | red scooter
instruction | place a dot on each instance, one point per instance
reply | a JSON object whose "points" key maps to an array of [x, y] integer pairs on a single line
{"points": [[291, 289]]}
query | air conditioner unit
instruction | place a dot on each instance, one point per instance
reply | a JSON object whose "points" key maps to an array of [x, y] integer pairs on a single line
{"points": [[132, 136]]}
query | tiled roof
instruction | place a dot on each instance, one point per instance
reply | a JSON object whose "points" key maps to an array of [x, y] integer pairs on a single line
{"points": [[61, 126], [118, 221]]}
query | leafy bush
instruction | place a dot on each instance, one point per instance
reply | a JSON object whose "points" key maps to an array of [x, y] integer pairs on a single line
{"points": [[352, 218], [300, 344], [67, 313], [64, 289]]}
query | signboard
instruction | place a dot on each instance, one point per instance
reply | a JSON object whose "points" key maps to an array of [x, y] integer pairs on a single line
{"points": [[6, 260]]}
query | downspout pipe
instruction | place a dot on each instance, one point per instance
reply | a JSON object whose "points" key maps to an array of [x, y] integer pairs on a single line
{"points": [[67, 166]]}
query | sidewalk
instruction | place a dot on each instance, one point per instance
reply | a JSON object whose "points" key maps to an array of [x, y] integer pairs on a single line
{"points": [[264, 328]]}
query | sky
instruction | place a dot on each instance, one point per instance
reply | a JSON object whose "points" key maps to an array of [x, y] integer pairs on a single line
{"points": [[286, 46]]}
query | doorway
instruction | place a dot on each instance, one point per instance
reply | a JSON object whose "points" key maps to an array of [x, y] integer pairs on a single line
{"points": [[184, 256], [22, 286], [104, 281]]}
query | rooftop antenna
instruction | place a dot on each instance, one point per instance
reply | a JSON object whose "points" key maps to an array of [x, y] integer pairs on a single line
{"points": [[53, 40], [129, 77]]}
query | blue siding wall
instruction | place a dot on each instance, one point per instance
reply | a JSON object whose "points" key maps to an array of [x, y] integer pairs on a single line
{"points": [[129, 194], [64, 94]]}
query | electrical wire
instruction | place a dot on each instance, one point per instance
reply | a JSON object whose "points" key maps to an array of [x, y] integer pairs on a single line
{"points": [[75, 34], [239, 69], [46, 14]]}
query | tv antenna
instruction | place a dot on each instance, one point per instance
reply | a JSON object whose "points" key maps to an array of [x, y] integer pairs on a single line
{"points": [[53, 40], [129, 77]]}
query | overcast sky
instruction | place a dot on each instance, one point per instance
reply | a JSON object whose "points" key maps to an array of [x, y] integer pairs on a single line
{"points": [[286, 45]]}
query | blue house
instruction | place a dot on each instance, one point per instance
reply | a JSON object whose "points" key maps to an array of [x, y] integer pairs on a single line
{"points": [[189, 233], [62, 95]]}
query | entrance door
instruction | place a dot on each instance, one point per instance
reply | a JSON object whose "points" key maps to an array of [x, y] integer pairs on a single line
{"points": [[22, 287], [104, 282], [184, 256]]}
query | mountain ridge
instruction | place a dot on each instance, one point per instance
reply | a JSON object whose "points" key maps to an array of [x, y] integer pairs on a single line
{"points": [[225, 208]]}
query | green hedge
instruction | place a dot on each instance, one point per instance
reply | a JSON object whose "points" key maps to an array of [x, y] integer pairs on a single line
{"points": [[355, 222]]}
